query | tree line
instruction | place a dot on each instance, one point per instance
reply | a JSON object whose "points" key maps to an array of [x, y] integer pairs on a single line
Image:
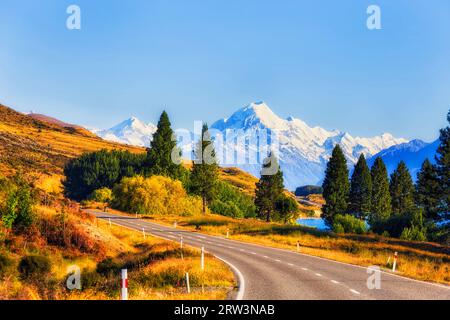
{"points": [[392, 205], [94, 175]]}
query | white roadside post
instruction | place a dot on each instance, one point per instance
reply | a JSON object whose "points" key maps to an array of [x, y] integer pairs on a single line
{"points": [[124, 293], [188, 286], [109, 222], [175, 224], [394, 266], [202, 260], [143, 232], [228, 233]]}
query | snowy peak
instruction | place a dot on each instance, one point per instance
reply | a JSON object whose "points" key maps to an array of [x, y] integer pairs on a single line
{"points": [[131, 131], [304, 150], [257, 115]]}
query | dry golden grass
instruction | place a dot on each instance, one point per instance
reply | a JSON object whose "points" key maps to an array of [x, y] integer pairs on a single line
{"points": [[156, 269], [42, 148], [418, 260]]}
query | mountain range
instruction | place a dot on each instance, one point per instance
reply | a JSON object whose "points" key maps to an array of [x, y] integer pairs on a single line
{"points": [[303, 150], [131, 131]]}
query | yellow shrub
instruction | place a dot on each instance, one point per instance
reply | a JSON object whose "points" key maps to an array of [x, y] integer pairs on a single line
{"points": [[154, 195]]}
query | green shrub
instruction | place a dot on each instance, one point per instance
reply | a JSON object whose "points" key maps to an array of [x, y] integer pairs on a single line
{"points": [[232, 202], [100, 169], [34, 267], [102, 195], [108, 267], [413, 234], [397, 224], [348, 224], [227, 208], [338, 228]]}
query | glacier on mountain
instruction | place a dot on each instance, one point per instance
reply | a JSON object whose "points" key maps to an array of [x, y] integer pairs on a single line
{"points": [[303, 151]]}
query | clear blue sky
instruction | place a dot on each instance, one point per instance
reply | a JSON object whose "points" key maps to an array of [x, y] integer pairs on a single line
{"points": [[202, 59]]}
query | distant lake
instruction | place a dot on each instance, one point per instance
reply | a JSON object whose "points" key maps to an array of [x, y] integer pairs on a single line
{"points": [[313, 223]]}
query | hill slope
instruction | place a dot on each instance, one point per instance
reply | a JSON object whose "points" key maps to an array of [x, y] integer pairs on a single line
{"points": [[35, 146]]}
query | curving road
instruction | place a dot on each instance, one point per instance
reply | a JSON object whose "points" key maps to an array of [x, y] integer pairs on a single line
{"points": [[266, 273]]}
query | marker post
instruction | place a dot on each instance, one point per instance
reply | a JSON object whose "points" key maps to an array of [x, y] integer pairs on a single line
{"points": [[124, 291], [394, 266]]}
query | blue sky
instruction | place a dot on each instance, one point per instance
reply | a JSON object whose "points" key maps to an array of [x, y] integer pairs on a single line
{"points": [[203, 59]]}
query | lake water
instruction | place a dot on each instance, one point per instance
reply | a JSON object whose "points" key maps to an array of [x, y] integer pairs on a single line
{"points": [[313, 223]]}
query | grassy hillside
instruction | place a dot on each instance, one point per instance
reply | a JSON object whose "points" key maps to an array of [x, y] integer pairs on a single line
{"points": [[37, 147], [64, 237]]}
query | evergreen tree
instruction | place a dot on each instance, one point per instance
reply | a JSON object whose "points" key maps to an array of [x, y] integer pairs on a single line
{"points": [[336, 186], [443, 171], [427, 190], [164, 156], [286, 207], [360, 189], [269, 188], [204, 176], [401, 189], [381, 198]]}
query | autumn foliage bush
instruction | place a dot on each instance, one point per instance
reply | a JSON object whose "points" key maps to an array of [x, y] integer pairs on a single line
{"points": [[156, 195]]}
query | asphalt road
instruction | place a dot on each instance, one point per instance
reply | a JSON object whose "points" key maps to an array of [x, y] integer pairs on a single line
{"points": [[276, 274]]}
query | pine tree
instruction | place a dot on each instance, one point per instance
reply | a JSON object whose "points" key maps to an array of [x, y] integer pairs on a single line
{"points": [[336, 186], [269, 188], [163, 157], [427, 190], [360, 189], [401, 189], [443, 171], [204, 176], [381, 198]]}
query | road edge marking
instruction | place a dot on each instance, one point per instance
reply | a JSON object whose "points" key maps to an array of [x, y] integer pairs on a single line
{"points": [[241, 281]]}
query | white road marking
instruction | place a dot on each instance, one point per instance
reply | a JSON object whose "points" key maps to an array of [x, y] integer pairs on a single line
{"points": [[241, 291], [231, 247], [253, 252], [318, 274], [354, 291], [305, 269], [266, 257], [290, 264], [277, 260], [335, 282]]}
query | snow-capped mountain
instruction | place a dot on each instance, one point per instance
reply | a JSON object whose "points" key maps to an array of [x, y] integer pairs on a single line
{"points": [[132, 131], [303, 150], [412, 153]]}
